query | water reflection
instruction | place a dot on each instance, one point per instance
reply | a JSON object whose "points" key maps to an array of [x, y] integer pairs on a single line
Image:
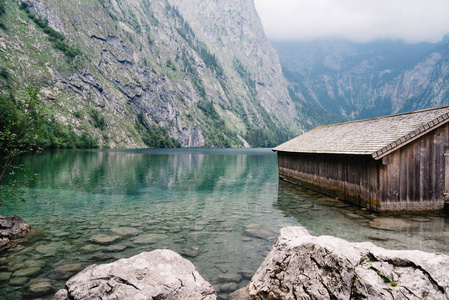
{"points": [[323, 215], [131, 173], [213, 206]]}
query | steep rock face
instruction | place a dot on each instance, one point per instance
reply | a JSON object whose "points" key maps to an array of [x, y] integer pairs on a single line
{"points": [[235, 32], [301, 266], [208, 76]]}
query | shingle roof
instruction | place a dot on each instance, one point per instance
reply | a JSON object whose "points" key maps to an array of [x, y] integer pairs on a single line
{"points": [[376, 137]]}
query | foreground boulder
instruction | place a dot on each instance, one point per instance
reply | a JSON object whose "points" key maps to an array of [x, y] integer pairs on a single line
{"points": [[160, 274], [12, 228], [301, 266]]}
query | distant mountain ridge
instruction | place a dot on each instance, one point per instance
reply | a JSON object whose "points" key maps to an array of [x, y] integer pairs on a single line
{"points": [[360, 81]]}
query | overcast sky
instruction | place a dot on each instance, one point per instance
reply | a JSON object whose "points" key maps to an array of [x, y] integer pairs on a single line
{"points": [[357, 20]]}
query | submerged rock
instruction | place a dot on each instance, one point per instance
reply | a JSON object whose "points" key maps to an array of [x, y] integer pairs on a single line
{"points": [[126, 231], [190, 252], [228, 287], [12, 228], [39, 288], [246, 273], [100, 256], [50, 249], [391, 224], [4, 276], [378, 238], [104, 239], [66, 271], [160, 274], [90, 248], [115, 248], [149, 238], [26, 272], [301, 266], [18, 281], [258, 233], [230, 278]]}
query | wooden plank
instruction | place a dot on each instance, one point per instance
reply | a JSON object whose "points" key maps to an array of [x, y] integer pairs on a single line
{"points": [[373, 179], [439, 163], [445, 143], [416, 171], [425, 167], [410, 174], [383, 184], [432, 162], [420, 145], [403, 152], [393, 176], [446, 172]]}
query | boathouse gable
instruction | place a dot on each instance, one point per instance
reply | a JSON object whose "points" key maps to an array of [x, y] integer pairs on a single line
{"points": [[394, 163]]}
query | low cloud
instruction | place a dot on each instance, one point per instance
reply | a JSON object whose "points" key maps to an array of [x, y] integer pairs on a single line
{"points": [[356, 20]]}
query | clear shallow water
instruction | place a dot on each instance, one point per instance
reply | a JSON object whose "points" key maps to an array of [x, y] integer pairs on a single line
{"points": [[221, 209]]}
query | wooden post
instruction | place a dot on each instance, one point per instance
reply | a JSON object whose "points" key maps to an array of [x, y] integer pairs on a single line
{"points": [[446, 174]]}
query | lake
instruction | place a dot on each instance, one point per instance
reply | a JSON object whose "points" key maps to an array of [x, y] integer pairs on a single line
{"points": [[219, 208]]}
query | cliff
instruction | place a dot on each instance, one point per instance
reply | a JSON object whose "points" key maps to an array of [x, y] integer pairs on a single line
{"points": [[136, 74]]}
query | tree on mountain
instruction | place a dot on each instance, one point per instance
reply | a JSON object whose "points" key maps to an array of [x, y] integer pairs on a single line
{"points": [[20, 131]]}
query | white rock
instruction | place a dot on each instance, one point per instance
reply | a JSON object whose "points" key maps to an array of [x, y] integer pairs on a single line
{"points": [[160, 274], [301, 266]]}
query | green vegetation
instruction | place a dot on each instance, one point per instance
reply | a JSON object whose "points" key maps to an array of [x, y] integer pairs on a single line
{"points": [[2, 12], [48, 133], [55, 136], [386, 280], [209, 59], [245, 75], [190, 69], [53, 36], [4, 73], [215, 129], [267, 138], [19, 133], [154, 136], [170, 64], [186, 32], [98, 119], [312, 115]]}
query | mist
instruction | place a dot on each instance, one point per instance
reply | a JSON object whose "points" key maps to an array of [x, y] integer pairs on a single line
{"points": [[412, 21]]}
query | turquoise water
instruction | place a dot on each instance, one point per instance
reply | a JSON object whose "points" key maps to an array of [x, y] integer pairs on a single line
{"points": [[221, 209]]}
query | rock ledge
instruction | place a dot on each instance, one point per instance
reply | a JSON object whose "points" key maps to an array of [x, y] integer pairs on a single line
{"points": [[301, 266]]}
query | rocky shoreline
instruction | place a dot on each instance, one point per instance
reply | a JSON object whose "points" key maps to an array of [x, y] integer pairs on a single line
{"points": [[299, 266], [302, 266], [12, 228]]}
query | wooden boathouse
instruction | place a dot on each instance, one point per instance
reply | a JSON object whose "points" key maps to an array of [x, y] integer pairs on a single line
{"points": [[397, 163]]}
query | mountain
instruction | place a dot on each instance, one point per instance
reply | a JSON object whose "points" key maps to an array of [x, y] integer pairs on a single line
{"points": [[161, 73], [359, 81]]}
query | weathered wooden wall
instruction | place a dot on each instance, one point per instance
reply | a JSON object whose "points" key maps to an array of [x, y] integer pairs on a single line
{"points": [[350, 177], [413, 177], [409, 179]]}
